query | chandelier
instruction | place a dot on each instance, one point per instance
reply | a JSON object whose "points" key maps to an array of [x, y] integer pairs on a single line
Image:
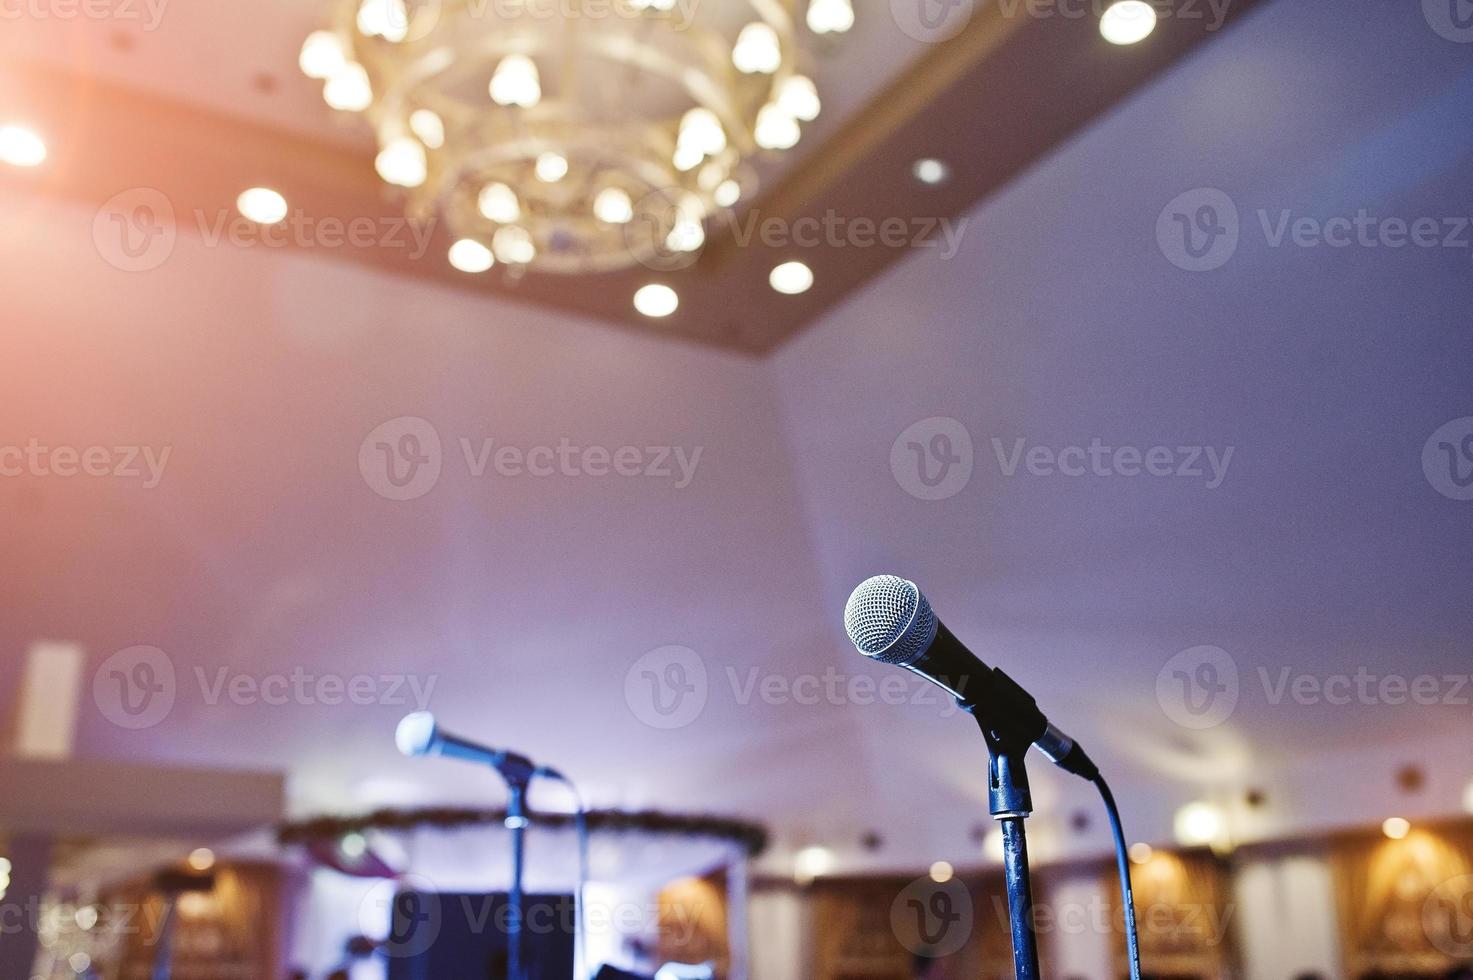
{"points": [[572, 136]]}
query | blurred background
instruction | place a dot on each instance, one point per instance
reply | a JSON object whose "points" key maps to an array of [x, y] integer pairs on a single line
{"points": [[560, 367]]}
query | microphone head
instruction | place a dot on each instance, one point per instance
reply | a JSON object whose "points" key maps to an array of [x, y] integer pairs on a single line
{"points": [[889, 620], [417, 733]]}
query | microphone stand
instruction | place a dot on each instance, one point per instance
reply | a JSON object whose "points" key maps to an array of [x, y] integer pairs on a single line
{"points": [[516, 825], [1011, 803]]}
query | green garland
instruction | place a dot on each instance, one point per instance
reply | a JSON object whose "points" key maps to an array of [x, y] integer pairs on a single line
{"points": [[751, 836]]}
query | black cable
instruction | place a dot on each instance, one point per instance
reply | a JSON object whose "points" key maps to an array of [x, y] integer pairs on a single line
{"points": [[1122, 860]]}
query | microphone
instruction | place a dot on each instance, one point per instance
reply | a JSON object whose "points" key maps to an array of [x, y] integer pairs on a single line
{"points": [[419, 734], [890, 621]]}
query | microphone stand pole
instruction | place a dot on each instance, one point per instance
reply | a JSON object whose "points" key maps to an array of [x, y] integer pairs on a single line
{"points": [[1011, 803], [516, 824]]}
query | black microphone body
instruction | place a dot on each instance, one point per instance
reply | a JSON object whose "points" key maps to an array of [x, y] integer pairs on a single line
{"points": [[890, 620], [1006, 712]]}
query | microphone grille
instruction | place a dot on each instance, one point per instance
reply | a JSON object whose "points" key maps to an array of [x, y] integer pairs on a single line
{"points": [[889, 620]]}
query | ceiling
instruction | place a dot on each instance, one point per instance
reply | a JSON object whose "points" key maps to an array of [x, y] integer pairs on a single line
{"points": [[527, 606], [197, 104]]}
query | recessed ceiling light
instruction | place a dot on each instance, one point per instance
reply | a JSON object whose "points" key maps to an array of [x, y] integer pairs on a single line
{"points": [[812, 862], [21, 147], [656, 300], [1396, 828], [1128, 21], [1141, 852], [1197, 824], [942, 872], [931, 171], [791, 278], [262, 205], [469, 255], [202, 859]]}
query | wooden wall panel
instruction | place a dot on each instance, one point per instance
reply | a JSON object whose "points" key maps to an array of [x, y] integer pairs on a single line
{"points": [[1406, 907]]}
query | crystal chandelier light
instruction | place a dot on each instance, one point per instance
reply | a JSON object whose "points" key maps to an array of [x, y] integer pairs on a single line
{"points": [[572, 135]]}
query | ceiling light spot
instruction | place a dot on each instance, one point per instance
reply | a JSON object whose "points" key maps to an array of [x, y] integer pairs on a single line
{"points": [[657, 300], [1197, 824], [498, 203], [612, 205], [811, 862], [262, 205], [1128, 22], [942, 872], [791, 278], [469, 255], [349, 89], [1396, 828], [552, 167], [931, 171], [727, 193], [323, 55], [21, 147], [403, 162]]}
